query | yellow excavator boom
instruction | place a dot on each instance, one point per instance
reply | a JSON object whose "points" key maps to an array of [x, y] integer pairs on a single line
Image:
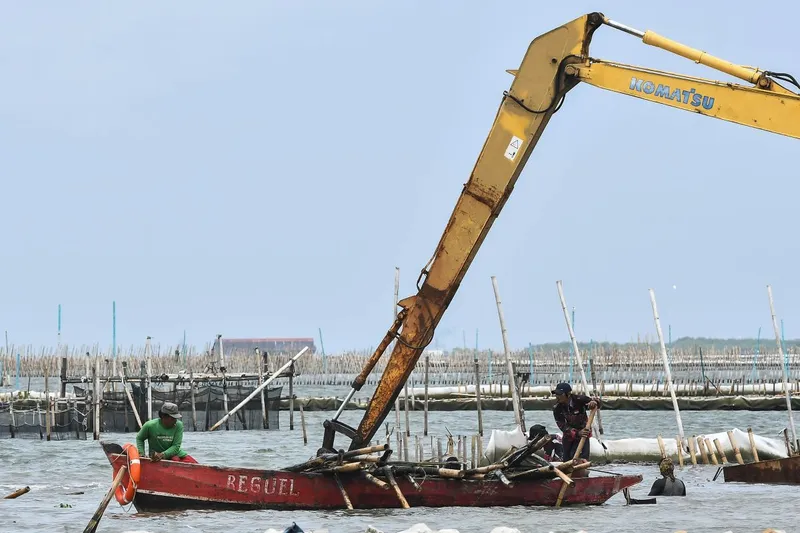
{"points": [[554, 63]]}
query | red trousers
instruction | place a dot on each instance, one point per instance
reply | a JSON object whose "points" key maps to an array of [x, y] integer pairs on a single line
{"points": [[186, 459]]}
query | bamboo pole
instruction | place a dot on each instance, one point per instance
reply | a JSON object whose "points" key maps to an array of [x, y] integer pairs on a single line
{"points": [[478, 394], [575, 349], [91, 527], [47, 400], [666, 365], [123, 380], [680, 450], [736, 452], [303, 424], [722, 456], [393, 483], [341, 489], [97, 397], [259, 388], [425, 421], [784, 372], [17, 493], [575, 457], [661, 447], [147, 351], [692, 450], [518, 413], [193, 400], [260, 368], [707, 444], [394, 318], [753, 448], [223, 370]]}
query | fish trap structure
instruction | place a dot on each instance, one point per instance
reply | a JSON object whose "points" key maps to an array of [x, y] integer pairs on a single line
{"points": [[201, 406], [34, 419]]}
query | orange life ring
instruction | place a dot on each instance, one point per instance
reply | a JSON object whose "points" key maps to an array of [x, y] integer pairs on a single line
{"points": [[127, 489]]}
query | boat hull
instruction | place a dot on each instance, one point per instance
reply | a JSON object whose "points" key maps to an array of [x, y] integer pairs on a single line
{"points": [[170, 485], [784, 471]]}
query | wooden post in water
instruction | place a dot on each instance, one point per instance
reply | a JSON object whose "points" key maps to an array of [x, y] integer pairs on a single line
{"points": [[661, 446], [736, 452], [785, 371], [667, 373], [124, 379], [17, 493], [478, 394], [47, 400], [753, 448], [63, 377], [427, 367], [680, 450], [260, 370], [691, 449], [518, 413], [406, 409], [97, 397], [149, 371], [722, 456], [576, 351], [291, 396], [224, 381], [303, 424], [394, 317], [192, 394]]}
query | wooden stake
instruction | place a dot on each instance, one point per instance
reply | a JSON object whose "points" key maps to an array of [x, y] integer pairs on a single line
{"points": [[692, 451], [575, 349], [260, 370], [393, 483], [194, 405], [478, 394], [784, 373], [713, 455], [425, 421], [341, 489], [753, 448], [91, 527], [680, 450], [722, 455], [47, 399], [17, 493], [303, 424], [736, 452], [518, 413], [661, 447], [667, 373], [98, 394]]}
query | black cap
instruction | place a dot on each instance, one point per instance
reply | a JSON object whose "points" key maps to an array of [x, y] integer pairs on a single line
{"points": [[536, 431], [562, 388]]}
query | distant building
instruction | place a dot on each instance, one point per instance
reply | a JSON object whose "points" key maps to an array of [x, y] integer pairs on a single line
{"points": [[269, 345]]}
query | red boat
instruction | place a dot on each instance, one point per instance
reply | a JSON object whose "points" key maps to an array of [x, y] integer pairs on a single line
{"points": [[171, 485]]}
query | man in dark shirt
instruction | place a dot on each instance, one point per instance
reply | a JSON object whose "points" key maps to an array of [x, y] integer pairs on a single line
{"points": [[571, 418]]}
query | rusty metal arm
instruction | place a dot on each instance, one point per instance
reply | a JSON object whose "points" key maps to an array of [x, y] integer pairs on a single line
{"points": [[523, 115], [554, 63]]}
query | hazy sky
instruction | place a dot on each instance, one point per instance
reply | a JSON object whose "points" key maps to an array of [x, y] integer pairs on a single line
{"points": [[260, 168]]}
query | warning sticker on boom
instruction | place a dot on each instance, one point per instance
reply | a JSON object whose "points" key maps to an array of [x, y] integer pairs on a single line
{"points": [[513, 148]]}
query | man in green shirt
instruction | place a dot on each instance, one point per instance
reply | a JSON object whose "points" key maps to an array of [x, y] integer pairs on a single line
{"points": [[164, 436]]}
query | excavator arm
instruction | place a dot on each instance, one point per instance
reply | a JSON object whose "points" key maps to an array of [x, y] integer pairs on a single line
{"points": [[554, 63]]}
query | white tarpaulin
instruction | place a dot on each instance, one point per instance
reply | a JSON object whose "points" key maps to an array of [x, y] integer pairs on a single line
{"points": [[642, 449]]}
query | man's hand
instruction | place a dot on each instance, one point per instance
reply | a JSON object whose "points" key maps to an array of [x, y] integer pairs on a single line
{"points": [[583, 433], [592, 404], [156, 457]]}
